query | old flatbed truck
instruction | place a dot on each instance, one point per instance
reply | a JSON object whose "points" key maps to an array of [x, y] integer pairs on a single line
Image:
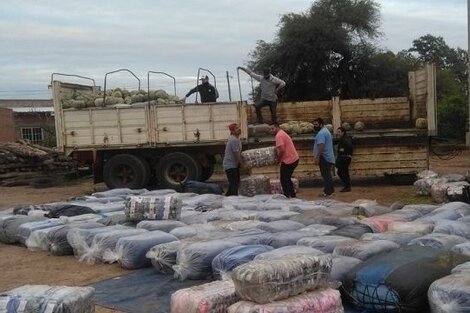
{"points": [[131, 146]]}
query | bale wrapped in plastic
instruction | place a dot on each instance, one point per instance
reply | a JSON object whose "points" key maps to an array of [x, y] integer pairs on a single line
{"points": [[459, 192], [204, 202], [44, 298], [227, 260], [243, 225], [439, 191], [305, 207], [260, 157], [163, 225], [202, 187], [248, 237], [408, 215], [214, 297], [276, 186], [106, 240], [275, 215], [81, 218], [379, 223], [37, 241], [325, 244], [194, 260], [67, 209], [9, 226], [422, 228], [318, 229], [25, 230], [254, 185], [288, 238], [282, 225], [461, 229], [461, 268], [196, 217], [427, 174], [465, 219], [449, 211], [103, 208], [130, 251], [318, 301], [119, 218], [422, 208], [119, 192], [398, 281], [341, 266], [364, 249], [353, 231], [244, 204], [56, 238], [195, 230], [264, 281], [438, 241], [462, 248], [287, 250], [322, 217], [371, 210], [423, 185], [139, 208], [450, 294], [163, 256], [234, 215], [399, 238]]}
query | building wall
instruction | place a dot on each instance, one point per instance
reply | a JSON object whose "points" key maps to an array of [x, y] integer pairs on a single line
{"points": [[36, 119], [16, 103], [7, 130]]}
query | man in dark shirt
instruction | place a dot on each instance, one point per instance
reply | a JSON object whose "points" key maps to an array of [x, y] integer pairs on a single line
{"points": [[208, 92], [343, 159]]}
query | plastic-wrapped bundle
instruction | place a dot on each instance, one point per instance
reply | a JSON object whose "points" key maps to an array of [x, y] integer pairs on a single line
{"points": [[254, 185], [56, 237], [160, 192], [305, 207], [325, 244], [276, 186], [453, 228], [287, 250], [140, 208], [379, 223], [194, 260], [371, 210], [103, 208], [448, 211], [364, 250], [317, 301], [260, 157], [236, 215], [353, 231], [450, 294], [398, 281], [9, 226], [165, 225], [287, 238], [400, 238], [68, 209], [248, 237], [130, 251], [427, 174], [309, 218], [407, 215], [422, 208], [458, 192], [37, 241], [461, 268], [200, 217], [227, 260], [246, 204], [243, 225], [264, 281], [318, 229], [206, 201], [195, 230], [283, 225], [81, 218], [462, 248], [115, 219], [275, 215], [26, 229], [119, 192], [106, 240], [453, 178], [342, 265], [424, 185], [213, 297], [422, 228], [44, 298], [439, 191], [163, 256], [202, 187], [438, 241]]}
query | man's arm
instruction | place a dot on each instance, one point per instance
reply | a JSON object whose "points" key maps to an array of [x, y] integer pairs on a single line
{"points": [[279, 83], [195, 89], [321, 148], [251, 73]]}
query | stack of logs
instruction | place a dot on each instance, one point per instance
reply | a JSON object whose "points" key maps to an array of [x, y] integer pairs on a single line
{"points": [[21, 161]]}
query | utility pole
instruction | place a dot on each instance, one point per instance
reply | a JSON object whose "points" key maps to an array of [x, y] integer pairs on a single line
{"points": [[467, 135]]}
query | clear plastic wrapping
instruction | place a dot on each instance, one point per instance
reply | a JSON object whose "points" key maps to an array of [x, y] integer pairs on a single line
{"points": [[422, 228], [9, 226], [325, 244], [260, 157], [264, 281], [25, 230], [364, 249], [287, 250], [453, 228], [56, 237], [164, 225], [341, 266], [438, 241], [450, 294], [400, 238], [140, 208], [163, 256], [254, 185], [462, 248], [283, 225]]}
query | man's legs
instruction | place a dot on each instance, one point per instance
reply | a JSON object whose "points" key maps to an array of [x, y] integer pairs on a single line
{"points": [[258, 106], [325, 170], [233, 177], [343, 171], [286, 182], [273, 107]]}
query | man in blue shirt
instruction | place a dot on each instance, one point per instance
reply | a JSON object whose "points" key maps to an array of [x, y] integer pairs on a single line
{"points": [[324, 155]]}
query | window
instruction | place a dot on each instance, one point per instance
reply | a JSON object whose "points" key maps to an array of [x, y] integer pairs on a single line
{"points": [[33, 134]]}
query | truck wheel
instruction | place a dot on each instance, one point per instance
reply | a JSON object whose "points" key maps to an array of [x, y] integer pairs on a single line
{"points": [[126, 171], [176, 168], [207, 171]]}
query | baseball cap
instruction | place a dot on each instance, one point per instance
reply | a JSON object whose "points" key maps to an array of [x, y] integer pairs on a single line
{"points": [[204, 78]]}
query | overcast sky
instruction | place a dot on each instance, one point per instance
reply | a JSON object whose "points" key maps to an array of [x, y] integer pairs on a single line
{"points": [[90, 38]]}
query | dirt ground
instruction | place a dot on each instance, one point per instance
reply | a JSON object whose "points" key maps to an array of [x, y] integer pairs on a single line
{"points": [[20, 266]]}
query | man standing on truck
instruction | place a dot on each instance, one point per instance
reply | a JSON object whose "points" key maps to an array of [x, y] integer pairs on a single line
{"points": [[324, 155], [208, 92], [287, 156], [270, 86], [232, 159]]}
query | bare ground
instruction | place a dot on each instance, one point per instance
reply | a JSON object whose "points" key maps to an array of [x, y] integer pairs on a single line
{"points": [[20, 266]]}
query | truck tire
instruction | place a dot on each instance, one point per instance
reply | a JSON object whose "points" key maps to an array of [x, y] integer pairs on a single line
{"points": [[126, 171], [207, 171], [176, 168]]}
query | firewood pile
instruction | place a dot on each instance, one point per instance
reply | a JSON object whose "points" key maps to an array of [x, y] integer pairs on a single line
{"points": [[22, 163]]}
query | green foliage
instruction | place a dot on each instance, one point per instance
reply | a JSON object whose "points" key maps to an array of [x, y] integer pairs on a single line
{"points": [[452, 116]]}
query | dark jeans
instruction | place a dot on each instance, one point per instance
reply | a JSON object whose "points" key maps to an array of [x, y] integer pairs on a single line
{"points": [[342, 164], [233, 176], [272, 106], [325, 170], [286, 182]]}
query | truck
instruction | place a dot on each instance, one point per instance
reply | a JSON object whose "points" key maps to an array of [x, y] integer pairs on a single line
{"points": [[167, 144]]}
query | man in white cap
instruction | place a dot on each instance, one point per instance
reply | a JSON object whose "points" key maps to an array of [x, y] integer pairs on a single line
{"points": [[208, 92]]}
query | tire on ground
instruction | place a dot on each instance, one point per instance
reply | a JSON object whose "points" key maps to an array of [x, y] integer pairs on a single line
{"points": [[176, 168], [126, 171], [207, 171]]}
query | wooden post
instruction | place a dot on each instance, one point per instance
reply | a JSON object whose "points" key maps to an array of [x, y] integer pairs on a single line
{"points": [[336, 118], [412, 89], [431, 100]]}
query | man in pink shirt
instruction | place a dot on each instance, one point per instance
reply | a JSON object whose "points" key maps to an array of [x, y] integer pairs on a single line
{"points": [[287, 156]]}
